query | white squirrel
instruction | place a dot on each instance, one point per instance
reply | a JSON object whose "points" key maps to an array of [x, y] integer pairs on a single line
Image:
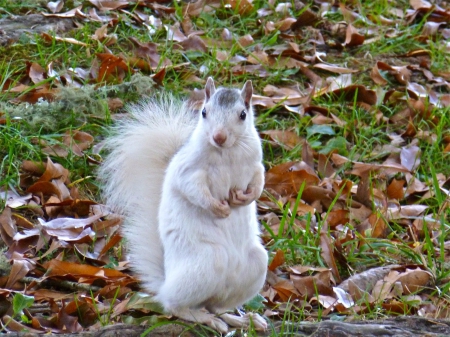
{"points": [[187, 187]]}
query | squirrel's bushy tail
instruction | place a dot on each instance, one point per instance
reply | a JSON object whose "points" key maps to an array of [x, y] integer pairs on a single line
{"points": [[132, 176]]}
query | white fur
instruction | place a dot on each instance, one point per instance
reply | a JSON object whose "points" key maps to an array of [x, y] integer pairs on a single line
{"points": [[202, 248]]}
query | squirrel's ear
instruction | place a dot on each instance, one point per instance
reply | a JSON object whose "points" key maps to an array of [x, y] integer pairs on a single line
{"points": [[246, 93], [209, 88]]}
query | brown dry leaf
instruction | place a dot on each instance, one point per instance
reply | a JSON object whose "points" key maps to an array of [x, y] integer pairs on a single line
{"points": [[315, 194], [401, 280], [244, 7], [105, 5], [420, 4], [360, 294], [363, 192], [258, 57], [264, 101], [12, 199], [44, 188], [343, 298], [68, 320], [414, 280], [418, 89], [286, 179], [306, 18], [349, 15], [285, 24], [77, 207], [70, 14], [36, 72], [286, 290], [115, 104], [377, 77], [277, 261], [308, 154], [78, 141], [316, 80], [54, 171], [8, 227], [33, 96], [379, 226], [287, 139], [46, 294], [338, 217], [387, 167], [246, 40], [310, 286], [174, 33], [431, 28], [328, 302], [282, 92], [159, 76], [396, 307], [405, 211], [383, 287], [409, 157], [101, 34], [194, 42], [55, 6], [56, 150], [14, 325], [395, 189], [402, 74], [414, 185], [50, 38], [200, 6], [362, 94], [62, 268], [69, 229], [112, 68], [20, 268], [327, 253], [324, 166], [148, 52], [113, 241], [334, 69], [353, 38]]}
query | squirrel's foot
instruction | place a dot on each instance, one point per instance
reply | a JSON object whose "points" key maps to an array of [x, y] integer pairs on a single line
{"points": [[220, 208], [245, 321], [203, 317], [241, 198]]}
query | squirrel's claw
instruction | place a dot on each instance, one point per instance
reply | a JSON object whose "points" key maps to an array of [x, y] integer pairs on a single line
{"points": [[241, 198], [221, 208], [245, 321]]}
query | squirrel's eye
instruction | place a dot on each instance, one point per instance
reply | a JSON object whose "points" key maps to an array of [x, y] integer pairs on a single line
{"points": [[204, 112], [243, 115]]}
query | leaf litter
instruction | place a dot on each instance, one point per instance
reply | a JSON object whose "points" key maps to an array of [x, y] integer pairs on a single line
{"points": [[55, 237]]}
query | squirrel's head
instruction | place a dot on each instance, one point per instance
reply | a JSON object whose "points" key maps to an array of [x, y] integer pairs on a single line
{"points": [[227, 115]]}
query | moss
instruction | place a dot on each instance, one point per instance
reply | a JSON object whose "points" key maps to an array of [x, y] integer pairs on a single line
{"points": [[74, 106]]}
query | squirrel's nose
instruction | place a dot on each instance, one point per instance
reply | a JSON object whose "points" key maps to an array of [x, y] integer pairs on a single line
{"points": [[220, 137]]}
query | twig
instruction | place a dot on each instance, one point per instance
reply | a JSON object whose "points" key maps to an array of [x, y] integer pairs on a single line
{"points": [[68, 285]]}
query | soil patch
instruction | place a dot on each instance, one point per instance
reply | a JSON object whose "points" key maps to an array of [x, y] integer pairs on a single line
{"points": [[11, 29]]}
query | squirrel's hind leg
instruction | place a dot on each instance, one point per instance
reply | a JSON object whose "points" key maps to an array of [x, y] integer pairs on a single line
{"points": [[245, 321], [201, 316]]}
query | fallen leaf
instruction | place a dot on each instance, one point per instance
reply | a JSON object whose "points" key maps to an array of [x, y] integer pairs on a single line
{"points": [[334, 69], [287, 139], [55, 6], [277, 260], [328, 255], [353, 37]]}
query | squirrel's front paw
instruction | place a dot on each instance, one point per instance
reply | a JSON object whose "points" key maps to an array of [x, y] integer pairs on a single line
{"points": [[221, 208], [241, 198]]}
